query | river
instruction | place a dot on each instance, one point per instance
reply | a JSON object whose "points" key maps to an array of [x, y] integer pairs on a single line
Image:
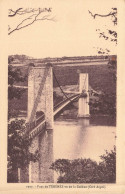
{"points": [[83, 138]]}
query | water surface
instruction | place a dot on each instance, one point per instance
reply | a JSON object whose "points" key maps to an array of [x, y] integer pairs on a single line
{"points": [[83, 138]]}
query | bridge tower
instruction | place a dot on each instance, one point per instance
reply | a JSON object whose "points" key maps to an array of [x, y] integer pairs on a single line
{"points": [[84, 98], [40, 93], [40, 98]]}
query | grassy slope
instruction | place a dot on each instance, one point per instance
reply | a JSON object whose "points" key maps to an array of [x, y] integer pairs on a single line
{"points": [[99, 76]]}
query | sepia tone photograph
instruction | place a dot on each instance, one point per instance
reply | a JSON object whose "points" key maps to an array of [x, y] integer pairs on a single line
{"points": [[62, 78]]}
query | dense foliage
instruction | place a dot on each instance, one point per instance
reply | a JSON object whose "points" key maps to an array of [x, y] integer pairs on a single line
{"points": [[104, 105], [18, 149], [14, 76], [87, 170]]}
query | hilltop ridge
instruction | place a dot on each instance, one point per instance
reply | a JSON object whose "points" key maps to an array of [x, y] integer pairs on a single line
{"points": [[24, 59]]}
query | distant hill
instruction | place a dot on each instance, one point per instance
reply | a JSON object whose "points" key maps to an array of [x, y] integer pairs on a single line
{"points": [[25, 60]]}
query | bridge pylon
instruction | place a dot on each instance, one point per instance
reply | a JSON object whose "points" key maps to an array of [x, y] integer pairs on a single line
{"points": [[40, 99], [83, 110], [40, 93]]}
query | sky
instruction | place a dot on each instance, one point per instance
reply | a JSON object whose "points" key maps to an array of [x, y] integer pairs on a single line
{"points": [[73, 33]]}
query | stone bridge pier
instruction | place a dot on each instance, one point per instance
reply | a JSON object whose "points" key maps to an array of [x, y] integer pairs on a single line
{"points": [[40, 99]]}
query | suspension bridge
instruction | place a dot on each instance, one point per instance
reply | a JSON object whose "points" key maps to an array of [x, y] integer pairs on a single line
{"points": [[39, 130]]}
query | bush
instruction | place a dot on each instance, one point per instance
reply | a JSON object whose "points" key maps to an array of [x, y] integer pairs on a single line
{"points": [[87, 170]]}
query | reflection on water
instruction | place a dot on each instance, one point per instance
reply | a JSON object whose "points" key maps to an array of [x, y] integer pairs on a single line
{"points": [[83, 138]]}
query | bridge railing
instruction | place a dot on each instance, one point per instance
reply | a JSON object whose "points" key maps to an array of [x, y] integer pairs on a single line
{"points": [[62, 102], [33, 124], [40, 119]]}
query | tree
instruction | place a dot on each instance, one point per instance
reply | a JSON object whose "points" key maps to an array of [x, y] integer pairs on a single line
{"points": [[14, 76], [87, 170], [107, 102], [109, 34], [18, 149], [104, 105], [28, 17], [108, 165]]}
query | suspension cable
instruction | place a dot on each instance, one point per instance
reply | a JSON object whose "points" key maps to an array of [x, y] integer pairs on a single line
{"points": [[60, 86]]}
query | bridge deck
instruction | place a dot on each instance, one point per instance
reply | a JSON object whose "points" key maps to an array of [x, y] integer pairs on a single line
{"points": [[40, 122]]}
